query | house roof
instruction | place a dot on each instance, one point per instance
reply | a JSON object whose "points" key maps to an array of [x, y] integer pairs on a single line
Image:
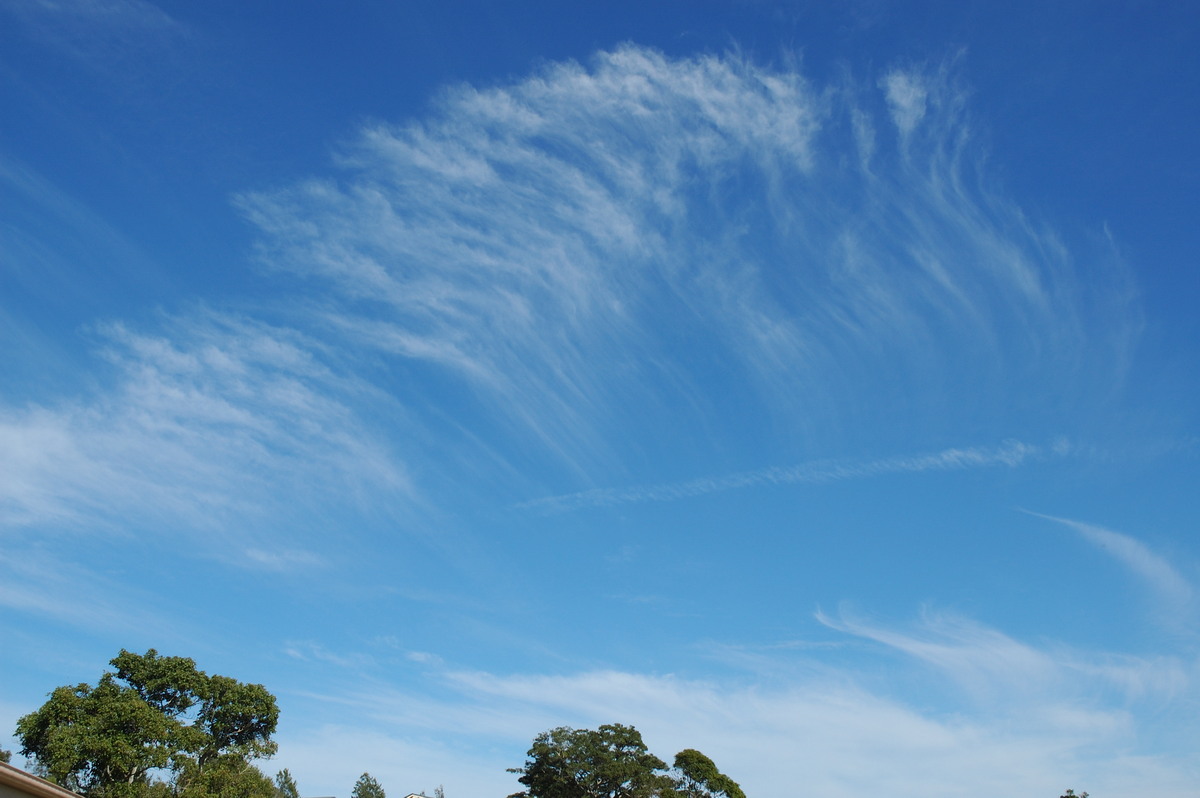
{"points": [[30, 784]]}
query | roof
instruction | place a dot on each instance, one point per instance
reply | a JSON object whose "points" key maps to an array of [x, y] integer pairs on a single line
{"points": [[30, 784]]}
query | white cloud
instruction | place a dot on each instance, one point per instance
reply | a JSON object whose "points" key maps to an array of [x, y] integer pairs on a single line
{"points": [[618, 235], [282, 559], [329, 759], [997, 670], [975, 656], [1010, 454], [825, 729], [59, 592], [906, 96], [97, 31], [513, 239], [309, 651], [499, 284], [612, 259], [1157, 572], [217, 422]]}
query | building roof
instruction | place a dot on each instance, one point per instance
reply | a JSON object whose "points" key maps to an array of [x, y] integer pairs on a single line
{"points": [[19, 780]]}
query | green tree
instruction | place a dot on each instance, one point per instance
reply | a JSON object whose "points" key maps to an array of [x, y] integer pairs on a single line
{"points": [[698, 777], [367, 787], [581, 763], [151, 789], [1071, 794], [226, 776], [5, 756], [152, 715], [285, 785]]}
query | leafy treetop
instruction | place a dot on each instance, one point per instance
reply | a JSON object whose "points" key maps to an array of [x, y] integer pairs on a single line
{"points": [[613, 762], [699, 778], [367, 787], [152, 714], [285, 785]]}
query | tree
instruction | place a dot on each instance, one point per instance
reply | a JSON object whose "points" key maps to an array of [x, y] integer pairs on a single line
{"points": [[698, 777], [152, 715], [226, 776], [367, 787], [5, 756], [285, 785], [1071, 794], [613, 762]]}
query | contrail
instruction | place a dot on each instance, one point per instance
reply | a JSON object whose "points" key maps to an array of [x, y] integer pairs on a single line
{"points": [[1010, 453]]}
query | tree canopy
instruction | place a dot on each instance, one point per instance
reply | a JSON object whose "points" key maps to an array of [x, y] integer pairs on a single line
{"points": [[227, 776], [154, 715], [367, 787], [698, 777], [613, 762], [285, 785]]}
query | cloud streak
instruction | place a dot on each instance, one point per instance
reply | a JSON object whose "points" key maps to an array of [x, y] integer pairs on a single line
{"points": [[1006, 675], [541, 283], [1010, 454], [520, 238], [217, 422], [619, 235], [96, 31], [1044, 719], [612, 273], [1156, 571]]}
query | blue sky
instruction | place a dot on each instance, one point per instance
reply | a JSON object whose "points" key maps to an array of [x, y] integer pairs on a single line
{"points": [[810, 384]]}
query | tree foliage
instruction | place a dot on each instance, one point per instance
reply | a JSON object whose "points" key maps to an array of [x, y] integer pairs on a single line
{"points": [[285, 785], [613, 762], [226, 776], [367, 787], [698, 777], [153, 715]]}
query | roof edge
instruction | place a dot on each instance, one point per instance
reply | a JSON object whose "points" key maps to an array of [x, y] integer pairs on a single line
{"points": [[34, 785]]}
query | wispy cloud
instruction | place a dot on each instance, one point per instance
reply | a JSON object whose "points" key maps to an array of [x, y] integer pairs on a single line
{"points": [[721, 246], [619, 235], [55, 251], [327, 760], [60, 592], [521, 238], [216, 422], [846, 738], [906, 96], [309, 651], [97, 31], [1156, 571], [282, 559], [1009, 454], [1005, 673], [553, 283]]}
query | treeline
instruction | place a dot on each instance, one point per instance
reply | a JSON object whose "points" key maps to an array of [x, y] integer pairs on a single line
{"points": [[158, 727], [155, 727]]}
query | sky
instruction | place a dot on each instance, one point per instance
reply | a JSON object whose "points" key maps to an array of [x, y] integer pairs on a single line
{"points": [[809, 383]]}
